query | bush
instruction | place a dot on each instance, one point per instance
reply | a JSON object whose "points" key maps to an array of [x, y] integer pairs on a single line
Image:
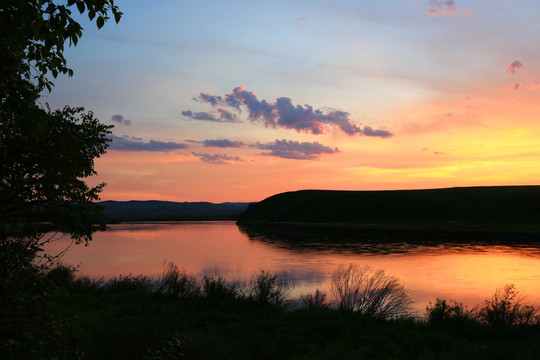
{"points": [[85, 285], [60, 276], [315, 301], [129, 283], [506, 308], [451, 312], [267, 288], [175, 282], [369, 292], [215, 287], [34, 323]]}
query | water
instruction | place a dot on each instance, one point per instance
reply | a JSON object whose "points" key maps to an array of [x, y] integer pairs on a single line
{"points": [[465, 272]]}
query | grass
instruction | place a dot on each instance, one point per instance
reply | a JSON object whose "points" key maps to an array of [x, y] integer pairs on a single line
{"points": [[222, 320]]}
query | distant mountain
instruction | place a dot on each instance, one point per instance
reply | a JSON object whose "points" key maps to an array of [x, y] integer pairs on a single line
{"points": [[490, 208], [168, 210]]}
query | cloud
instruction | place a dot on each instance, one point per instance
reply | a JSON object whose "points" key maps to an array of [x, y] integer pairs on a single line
{"points": [[129, 143], [216, 158], [283, 114], [289, 149], [470, 12], [514, 66], [368, 131], [442, 8], [119, 119], [517, 86], [222, 143], [302, 19], [207, 98], [218, 115]]}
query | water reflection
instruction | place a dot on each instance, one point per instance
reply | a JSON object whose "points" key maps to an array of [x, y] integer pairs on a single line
{"points": [[468, 272], [370, 244]]}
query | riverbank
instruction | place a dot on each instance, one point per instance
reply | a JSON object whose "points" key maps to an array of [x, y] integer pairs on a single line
{"points": [[130, 318]]}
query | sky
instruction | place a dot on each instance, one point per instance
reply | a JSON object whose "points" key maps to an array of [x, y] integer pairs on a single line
{"points": [[239, 100]]}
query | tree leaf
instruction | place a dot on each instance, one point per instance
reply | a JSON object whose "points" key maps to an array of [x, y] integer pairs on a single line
{"points": [[80, 6]]}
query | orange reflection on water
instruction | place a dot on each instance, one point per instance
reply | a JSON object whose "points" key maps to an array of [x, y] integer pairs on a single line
{"points": [[465, 273]]}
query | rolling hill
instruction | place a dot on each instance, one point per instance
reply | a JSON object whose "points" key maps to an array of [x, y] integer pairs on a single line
{"points": [[498, 208], [168, 210]]}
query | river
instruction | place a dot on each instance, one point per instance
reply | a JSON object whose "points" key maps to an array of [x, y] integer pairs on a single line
{"points": [[466, 272]]}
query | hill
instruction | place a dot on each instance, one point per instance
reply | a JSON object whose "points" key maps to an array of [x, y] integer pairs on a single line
{"points": [[499, 209], [168, 210]]}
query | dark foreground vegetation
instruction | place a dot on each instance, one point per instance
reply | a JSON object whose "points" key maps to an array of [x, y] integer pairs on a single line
{"points": [[179, 316], [495, 211]]}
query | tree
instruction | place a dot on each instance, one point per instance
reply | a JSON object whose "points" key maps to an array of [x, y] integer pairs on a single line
{"points": [[44, 158], [32, 38], [45, 155]]}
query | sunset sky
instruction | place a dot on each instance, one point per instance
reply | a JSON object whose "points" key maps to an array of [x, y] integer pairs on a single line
{"points": [[238, 100]]}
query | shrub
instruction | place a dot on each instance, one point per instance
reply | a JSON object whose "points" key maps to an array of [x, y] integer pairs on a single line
{"points": [[85, 285], [506, 308], [315, 301], [60, 276], [448, 312], [267, 288], [175, 282], [369, 292], [129, 283], [216, 287]]}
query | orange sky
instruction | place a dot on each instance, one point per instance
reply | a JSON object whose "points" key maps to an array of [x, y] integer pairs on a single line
{"points": [[319, 95]]}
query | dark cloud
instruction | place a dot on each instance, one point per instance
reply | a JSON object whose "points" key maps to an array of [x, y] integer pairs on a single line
{"points": [[222, 143], [218, 115], [514, 66], [216, 158], [226, 115], [119, 119], [282, 114], [207, 98], [368, 131], [442, 8], [290, 149], [127, 143]]}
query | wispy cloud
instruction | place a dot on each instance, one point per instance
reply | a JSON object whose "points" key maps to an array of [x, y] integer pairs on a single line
{"points": [[514, 66], [119, 119], [222, 143], [470, 12], [290, 149], [217, 159], [442, 8], [517, 86], [129, 143], [301, 20], [217, 115], [282, 114]]}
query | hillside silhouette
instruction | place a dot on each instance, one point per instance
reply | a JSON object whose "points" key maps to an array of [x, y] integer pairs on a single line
{"points": [[493, 208], [169, 210]]}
